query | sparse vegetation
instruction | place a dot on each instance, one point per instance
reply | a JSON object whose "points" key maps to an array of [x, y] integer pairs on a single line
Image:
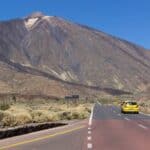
{"points": [[43, 111], [145, 106], [39, 110], [110, 101], [4, 106]]}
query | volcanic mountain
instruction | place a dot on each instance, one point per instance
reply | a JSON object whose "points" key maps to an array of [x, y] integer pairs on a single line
{"points": [[49, 55]]}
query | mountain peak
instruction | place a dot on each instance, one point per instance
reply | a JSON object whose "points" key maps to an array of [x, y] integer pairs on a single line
{"points": [[36, 15], [56, 48], [33, 18]]}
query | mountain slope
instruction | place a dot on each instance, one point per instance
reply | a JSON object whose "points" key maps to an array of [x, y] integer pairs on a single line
{"points": [[74, 53]]}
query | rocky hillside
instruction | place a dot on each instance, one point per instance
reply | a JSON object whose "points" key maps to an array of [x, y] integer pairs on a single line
{"points": [[51, 50]]}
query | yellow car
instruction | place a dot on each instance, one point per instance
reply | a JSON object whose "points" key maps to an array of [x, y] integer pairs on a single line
{"points": [[129, 107]]}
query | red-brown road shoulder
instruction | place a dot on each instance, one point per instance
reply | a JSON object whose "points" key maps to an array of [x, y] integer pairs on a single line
{"points": [[119, 135]]}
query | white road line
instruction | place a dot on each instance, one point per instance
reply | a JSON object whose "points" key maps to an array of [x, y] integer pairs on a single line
{"points": [[89, 128], [142, 126], [89, 132], [91, 116], [126, 118], [89, 146], [145, 114], [99, 103], [89, 138]]}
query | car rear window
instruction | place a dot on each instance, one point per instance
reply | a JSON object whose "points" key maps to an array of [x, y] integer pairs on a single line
{"points": [[132, 103]]}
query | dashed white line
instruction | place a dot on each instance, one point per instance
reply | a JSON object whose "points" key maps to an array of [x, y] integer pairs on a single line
{"points": [[142, 126], [126, 118], [89, 132], [89, 146], [89, 128], [89, 138]]}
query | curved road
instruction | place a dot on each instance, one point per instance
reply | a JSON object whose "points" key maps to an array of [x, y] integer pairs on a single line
{"points": [[107, 129]]}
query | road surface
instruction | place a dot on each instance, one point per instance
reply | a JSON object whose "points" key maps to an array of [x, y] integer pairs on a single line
{"points": [[107, 129]]}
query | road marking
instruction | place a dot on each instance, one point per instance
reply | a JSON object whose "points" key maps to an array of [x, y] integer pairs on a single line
{"points": [[99, 103], [91, 116], [89, 138], [89, 128], [119, 114], [89, 132], [126, 118], [89, 145], [142, 126], [41, 138], [145, 114]]}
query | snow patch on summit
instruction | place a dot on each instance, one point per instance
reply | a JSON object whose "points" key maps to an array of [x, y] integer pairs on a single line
{"points": [[48, 18], [30, 22]]}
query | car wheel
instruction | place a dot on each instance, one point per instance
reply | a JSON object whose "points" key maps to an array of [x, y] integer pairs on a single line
{"points": [[122, 112]]}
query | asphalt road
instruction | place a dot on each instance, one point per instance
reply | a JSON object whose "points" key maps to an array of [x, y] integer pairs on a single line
{"points": [[112, 130], [106, 129]]}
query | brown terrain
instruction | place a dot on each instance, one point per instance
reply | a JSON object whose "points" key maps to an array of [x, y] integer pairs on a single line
{"points": [[49, 56]]}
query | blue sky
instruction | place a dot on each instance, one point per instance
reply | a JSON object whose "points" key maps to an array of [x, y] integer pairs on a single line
{"points": [[128, 19]]}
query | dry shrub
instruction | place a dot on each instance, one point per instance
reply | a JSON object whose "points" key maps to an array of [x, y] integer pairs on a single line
{"points": [[4, 106], [79, 112], [20, 114], [145, 106], [1, 115], [65, 115], [79, 115], [16, 115], [22, 118], [10, 119], [43, 116]]}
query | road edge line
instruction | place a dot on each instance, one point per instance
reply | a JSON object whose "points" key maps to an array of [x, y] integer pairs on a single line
{"points": [[99, 103], [91, 116], [144, 114]]}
